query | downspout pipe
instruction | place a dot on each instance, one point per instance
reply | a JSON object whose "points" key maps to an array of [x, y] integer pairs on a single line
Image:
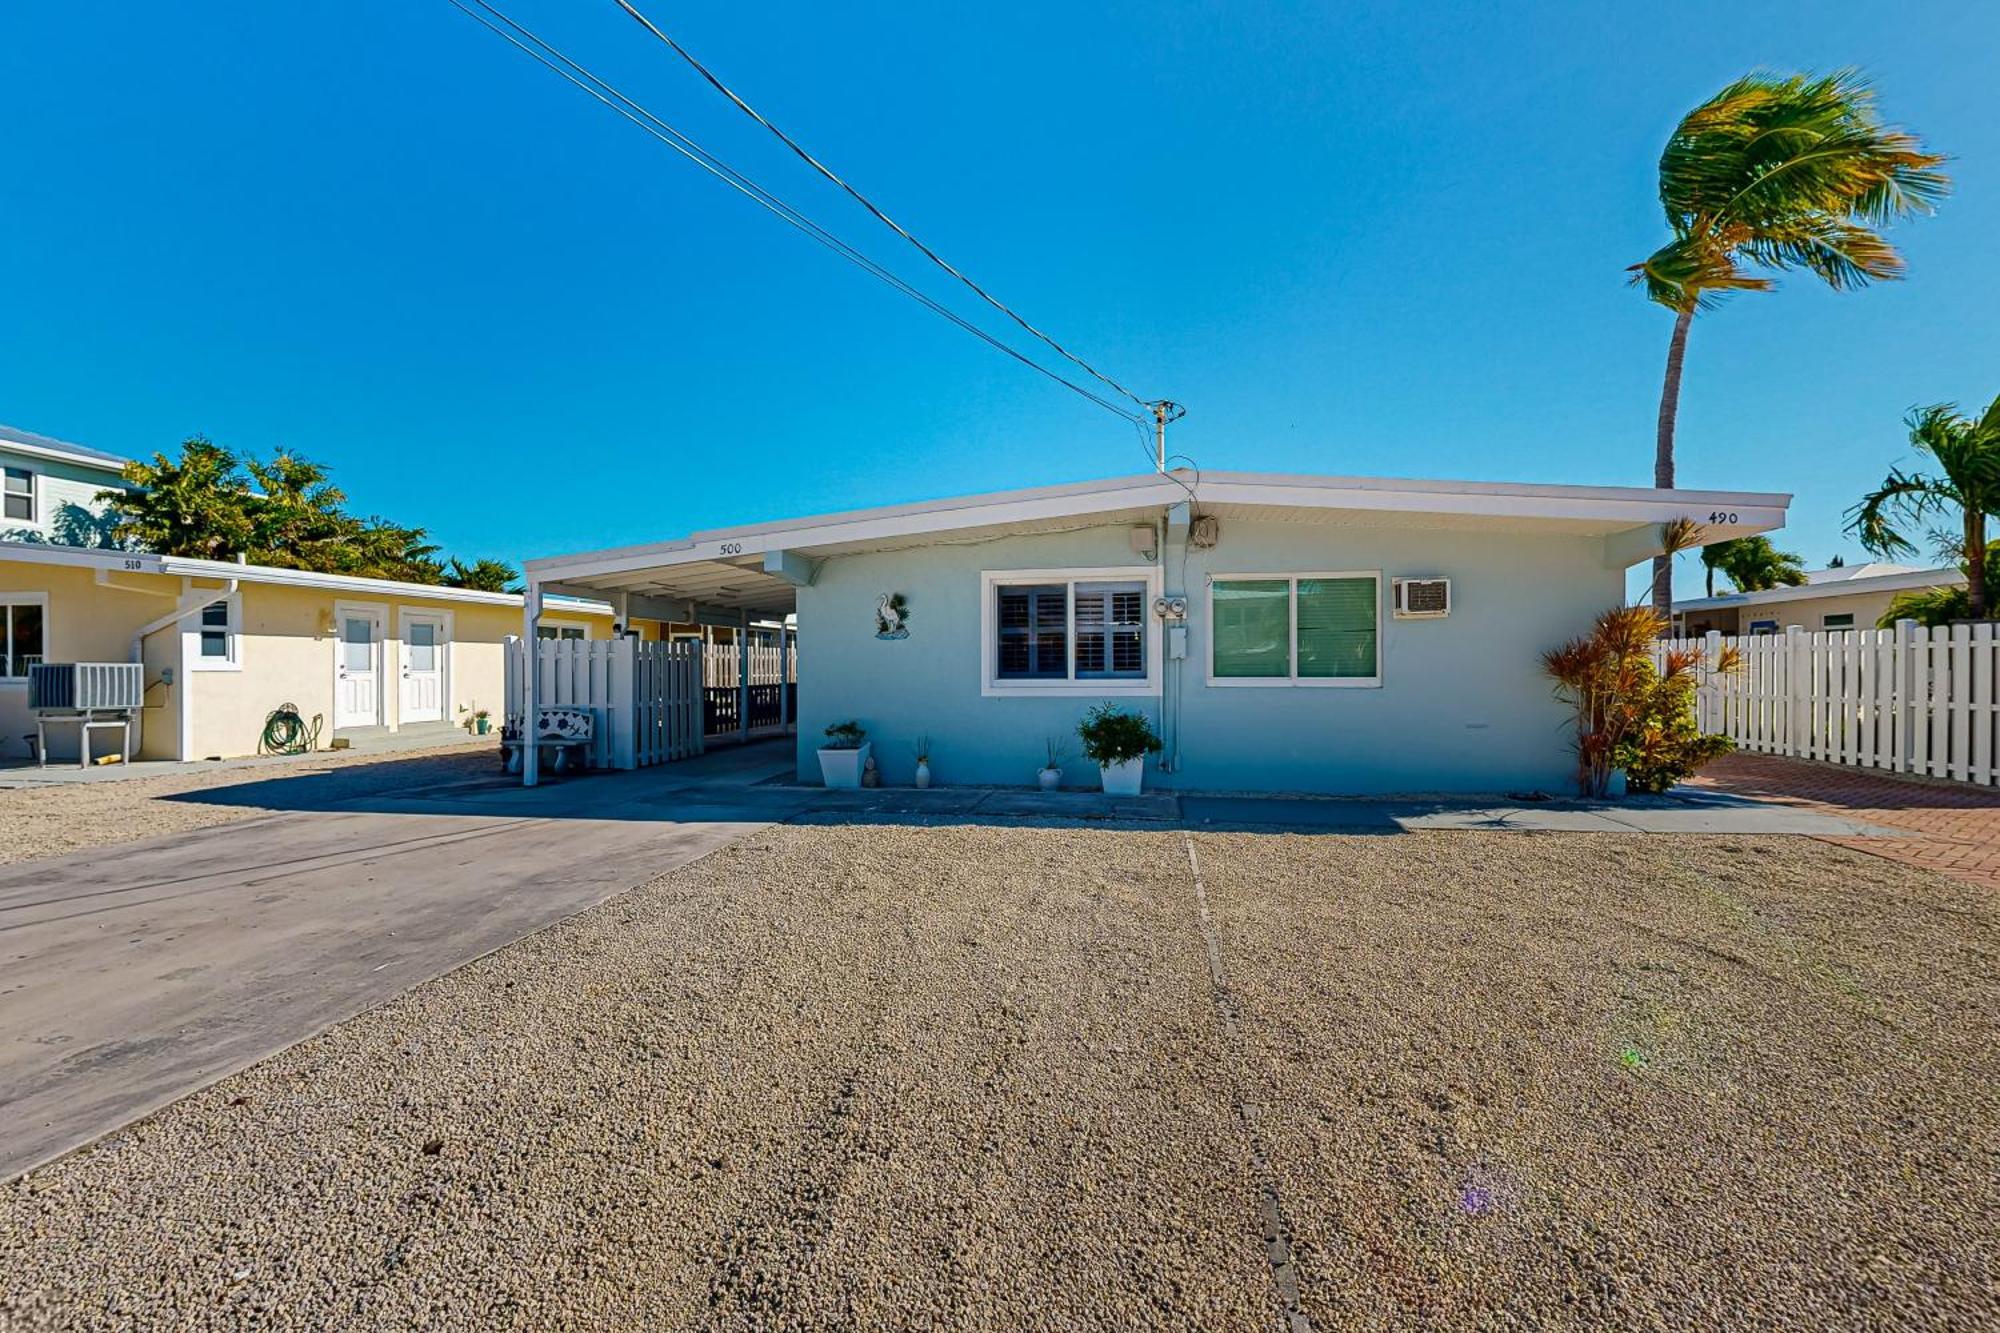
{"points": [[185, 608]]}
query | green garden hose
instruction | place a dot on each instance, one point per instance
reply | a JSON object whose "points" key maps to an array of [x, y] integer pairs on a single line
{"points": [[285, 732]]}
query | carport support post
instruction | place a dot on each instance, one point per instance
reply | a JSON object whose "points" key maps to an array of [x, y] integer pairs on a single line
{"points": [[743, 676], [531, 753], [784, 678]]}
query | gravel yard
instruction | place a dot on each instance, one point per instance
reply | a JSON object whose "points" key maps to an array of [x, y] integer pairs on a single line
{"points": [[972, 1077], [68, 817]]}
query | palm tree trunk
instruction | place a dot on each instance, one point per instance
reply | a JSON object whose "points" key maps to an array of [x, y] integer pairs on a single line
{"points": [[1663, 452], [1975, 563]]}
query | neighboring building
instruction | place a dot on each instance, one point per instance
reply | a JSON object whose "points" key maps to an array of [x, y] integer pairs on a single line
{"points": [[1845, 597], [49, 489], [225, 644], [1283, 633]]}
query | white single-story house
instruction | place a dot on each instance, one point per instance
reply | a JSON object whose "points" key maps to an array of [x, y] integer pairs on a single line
{"points": [[1844, 597], [1282, 633]]}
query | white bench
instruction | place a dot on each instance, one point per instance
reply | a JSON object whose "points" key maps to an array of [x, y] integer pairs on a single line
{"points": [[562, 735]]}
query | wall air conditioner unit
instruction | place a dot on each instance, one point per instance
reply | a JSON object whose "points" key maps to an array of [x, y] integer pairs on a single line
{"points": [[1422, 599]]}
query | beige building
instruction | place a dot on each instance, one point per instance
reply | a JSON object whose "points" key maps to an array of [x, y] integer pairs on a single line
{"points": [[225, 644], [1848, 597]]}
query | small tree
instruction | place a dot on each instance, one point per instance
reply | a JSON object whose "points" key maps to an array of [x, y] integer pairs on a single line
{"points": [[1964, 489], [484, 575], [1753, 564], [1629, 713]]}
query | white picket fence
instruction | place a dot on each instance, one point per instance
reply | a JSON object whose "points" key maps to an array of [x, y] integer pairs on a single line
{"points": [[646, 697], [1908, 699]]}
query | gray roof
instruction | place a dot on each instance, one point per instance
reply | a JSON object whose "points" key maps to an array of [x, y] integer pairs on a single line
{"points": [[62, 448]]}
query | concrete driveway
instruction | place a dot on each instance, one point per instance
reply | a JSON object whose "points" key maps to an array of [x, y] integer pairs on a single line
{"points": [[131, 975]]}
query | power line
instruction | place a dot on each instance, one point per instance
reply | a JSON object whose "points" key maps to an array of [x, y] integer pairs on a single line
{"points": [[868, 204], [550, 57]]}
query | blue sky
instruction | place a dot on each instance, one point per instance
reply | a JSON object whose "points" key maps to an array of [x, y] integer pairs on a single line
{"points": [[1359, 238]]}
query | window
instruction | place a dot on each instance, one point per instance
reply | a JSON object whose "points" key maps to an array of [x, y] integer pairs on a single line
{"points": [[1295, 629], [1078, 631], [422, 646], [23, 636], [559, 632], [214, 633], [17, 494], [1763, 627], [1837, 620]]}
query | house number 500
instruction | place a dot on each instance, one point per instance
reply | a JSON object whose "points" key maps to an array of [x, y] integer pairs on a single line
{"points": [[1721, 516], [732, 548]]}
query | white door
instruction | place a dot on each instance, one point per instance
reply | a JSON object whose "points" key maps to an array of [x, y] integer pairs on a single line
{"points": [[357, 685], [424, 643]]}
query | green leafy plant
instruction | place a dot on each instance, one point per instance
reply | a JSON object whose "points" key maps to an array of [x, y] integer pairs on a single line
{"points": [[1111, 735], [1775, 173], [1631, 714], [1964, 489], [845, 736], [1753, 564], [1664, 746]]}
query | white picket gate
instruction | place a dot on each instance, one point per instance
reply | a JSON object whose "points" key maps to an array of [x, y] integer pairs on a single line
{"points": [[646, 697], [1908, 699]]}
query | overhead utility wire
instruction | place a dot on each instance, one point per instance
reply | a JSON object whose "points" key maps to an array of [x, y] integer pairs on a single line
{"points": [[553, 59], [866, 203]]}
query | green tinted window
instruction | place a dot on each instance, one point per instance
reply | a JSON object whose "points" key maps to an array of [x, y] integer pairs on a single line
{"points": [[1253, 630], [1337, 628]]}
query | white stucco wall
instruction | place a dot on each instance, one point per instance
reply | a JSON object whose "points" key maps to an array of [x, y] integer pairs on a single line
{"points": [[1462, 705]]}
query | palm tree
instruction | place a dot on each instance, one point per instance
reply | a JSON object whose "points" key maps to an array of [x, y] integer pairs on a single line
{"points": [[485, 575], [1775, 173], [1753, 564], [1966, 487]]}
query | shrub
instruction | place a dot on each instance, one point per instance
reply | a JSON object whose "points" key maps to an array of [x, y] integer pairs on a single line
{"points": [[1111, 735], [845, 736], [1631, 714], [1665, 746]]}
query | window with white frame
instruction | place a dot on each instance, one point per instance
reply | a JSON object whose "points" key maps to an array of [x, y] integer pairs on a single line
{"points": [[560, 632], [1295, 629], [1070, 630], [1837, 620], [214, 636], [24, 633], [17, 494]]}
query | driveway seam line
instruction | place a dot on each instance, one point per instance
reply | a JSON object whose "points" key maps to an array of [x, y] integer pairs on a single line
{"points": [[1277, 1231]]}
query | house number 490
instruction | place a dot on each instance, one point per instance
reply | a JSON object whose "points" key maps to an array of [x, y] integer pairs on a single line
{"points": [[1721, 516]]}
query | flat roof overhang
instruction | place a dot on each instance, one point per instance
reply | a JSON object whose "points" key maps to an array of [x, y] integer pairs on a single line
{"points": [[757, 568]]}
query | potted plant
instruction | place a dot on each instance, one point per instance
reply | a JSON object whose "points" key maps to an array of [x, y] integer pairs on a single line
{"points": [[844, 755], [923, 749], [1118, 743], [482, 721], [1051, 775]]}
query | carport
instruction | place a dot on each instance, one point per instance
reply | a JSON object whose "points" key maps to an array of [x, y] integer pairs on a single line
{"points": [[704, 588]]}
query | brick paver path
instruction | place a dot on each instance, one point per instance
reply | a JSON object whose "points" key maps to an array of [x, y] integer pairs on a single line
{"points": [[1957, 827]]}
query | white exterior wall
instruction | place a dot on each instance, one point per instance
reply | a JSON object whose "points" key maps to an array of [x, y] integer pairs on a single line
{"points": [[60, 488]]}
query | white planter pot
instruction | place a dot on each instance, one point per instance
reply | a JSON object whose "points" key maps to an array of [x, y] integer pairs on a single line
{"points": [[1049, 778], [923, 774], [842, 768], [1123, 779]]}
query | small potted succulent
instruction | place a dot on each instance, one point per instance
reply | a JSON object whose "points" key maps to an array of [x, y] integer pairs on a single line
{"points": [[1118, 743], [844, 755], [1051, 775], [923, 749]]}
